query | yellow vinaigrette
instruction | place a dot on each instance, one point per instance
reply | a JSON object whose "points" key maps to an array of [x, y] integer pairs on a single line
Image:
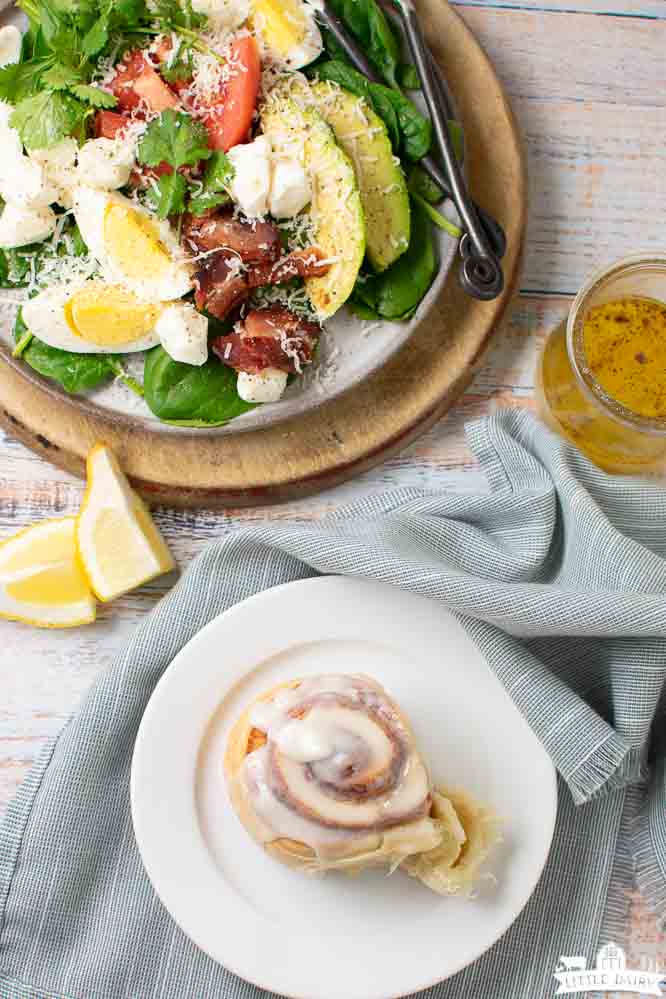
{"points": [[625, 349]]}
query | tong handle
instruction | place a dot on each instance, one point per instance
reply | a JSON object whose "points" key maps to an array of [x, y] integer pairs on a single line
{"points": [[480, 274]]}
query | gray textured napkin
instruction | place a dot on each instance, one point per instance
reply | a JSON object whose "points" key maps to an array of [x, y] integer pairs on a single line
{"points": [[558, 573]]}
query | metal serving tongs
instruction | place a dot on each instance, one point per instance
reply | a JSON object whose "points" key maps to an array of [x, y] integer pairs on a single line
{"points": [[483, 243]]}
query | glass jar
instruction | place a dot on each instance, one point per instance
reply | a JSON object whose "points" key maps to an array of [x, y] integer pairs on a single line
{"points": [[570, 399]]}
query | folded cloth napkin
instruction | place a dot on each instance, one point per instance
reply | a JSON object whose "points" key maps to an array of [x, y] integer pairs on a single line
{"points": [[558, 573]]}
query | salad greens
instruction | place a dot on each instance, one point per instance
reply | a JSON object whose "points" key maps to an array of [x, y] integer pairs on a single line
{"points": [[396, 292], [190, 396], [368, 23], [178, 140], [75, 372], [409, 130], [52, 86], [212, 190], [174, 138]]}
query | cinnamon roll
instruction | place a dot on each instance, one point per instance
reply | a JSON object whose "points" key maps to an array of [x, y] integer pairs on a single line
{"points": [[325, 774]]}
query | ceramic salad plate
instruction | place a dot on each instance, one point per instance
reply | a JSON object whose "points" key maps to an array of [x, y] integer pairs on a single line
{"points": [[279, 928], [217, 222]]}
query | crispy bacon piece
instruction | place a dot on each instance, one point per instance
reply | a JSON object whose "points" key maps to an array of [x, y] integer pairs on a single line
{"points": [[269, 338], [254, 241], [138, 82], [220, 285], [300, 263]]}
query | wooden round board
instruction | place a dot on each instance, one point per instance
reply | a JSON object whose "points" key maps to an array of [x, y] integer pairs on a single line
{"points": [[347, 435]]}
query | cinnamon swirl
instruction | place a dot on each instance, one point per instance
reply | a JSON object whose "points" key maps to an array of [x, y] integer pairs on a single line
{"points": [[325, 774]]}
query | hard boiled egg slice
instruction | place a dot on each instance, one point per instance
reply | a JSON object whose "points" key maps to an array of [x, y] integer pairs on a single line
{"points": [[133, 247], [289, 30], [92, 317]]}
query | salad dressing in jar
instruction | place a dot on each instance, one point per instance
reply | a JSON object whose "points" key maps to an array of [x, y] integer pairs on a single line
{"points": [[601, 380]]}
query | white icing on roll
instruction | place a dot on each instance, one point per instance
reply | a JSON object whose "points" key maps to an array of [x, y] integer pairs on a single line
{"points": [[339, 764]]}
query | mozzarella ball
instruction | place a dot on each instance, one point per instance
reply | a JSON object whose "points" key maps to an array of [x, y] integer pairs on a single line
{"points": [[104, 164], [290, 189], [250, 187], [183, 333], [265, 386], [21, 224], [59, 165]]}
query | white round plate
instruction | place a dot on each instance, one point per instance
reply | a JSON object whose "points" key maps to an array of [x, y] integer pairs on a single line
{"points": [[368, 937]]}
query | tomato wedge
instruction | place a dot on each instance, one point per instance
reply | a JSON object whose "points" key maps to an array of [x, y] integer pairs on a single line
{"points": [[230, 116], [109, 124], [136, 82]]}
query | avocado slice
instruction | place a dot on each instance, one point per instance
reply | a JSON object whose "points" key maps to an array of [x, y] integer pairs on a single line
{"points": [[363, 136], [336, 210]]}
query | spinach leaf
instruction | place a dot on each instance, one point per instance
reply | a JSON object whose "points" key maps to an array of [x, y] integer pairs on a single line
{"points": [[367, 22], [415, 130], [408, 78], [384, 108], [15, 265], [191, 396], [345, 76], [18, 264], [75, 372], [396, 293]]}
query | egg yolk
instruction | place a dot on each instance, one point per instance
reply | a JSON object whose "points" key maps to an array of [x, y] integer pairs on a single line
{"points": [[281, 22], [108, 315], [133, 243]]}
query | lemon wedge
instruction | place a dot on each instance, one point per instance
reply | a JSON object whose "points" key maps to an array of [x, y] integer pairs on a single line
{"points": [[41, 579], [119, 545]]}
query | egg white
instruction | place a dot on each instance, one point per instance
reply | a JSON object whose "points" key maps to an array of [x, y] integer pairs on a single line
{"points": [[301, 53], [44, 315], [89, 211], [310, 47]]}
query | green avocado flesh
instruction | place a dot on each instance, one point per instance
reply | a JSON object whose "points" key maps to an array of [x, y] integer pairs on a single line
{"points": [[363, 136], [336, 210]]}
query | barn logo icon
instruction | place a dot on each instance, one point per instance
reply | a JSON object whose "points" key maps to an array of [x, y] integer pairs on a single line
{"points": [[610, 975]]}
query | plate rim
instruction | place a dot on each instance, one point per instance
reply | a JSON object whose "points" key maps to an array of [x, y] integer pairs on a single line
{"points": [[142, 740]]}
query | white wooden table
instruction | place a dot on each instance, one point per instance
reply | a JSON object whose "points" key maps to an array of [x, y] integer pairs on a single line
{"points": [[587, 79]]}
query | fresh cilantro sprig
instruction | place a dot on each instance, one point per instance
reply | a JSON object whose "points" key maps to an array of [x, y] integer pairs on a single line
{"points": [[52, 86], [212, 191], [174, 138], [179, 141], [48, 117]]}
